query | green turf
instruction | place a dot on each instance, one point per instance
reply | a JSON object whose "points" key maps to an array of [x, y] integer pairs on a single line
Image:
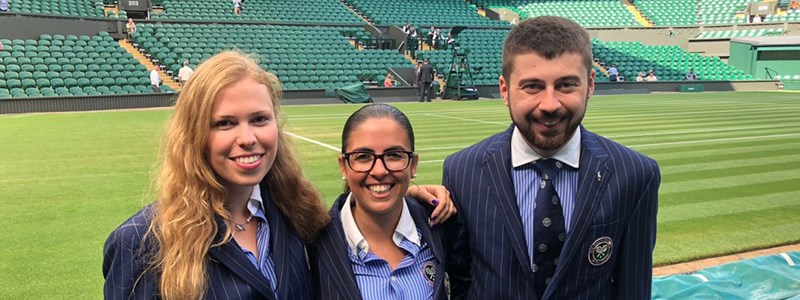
{"points": [[730, 164]]}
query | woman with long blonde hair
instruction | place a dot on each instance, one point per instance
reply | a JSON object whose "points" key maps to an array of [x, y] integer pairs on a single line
{"points": [[233, 211]]}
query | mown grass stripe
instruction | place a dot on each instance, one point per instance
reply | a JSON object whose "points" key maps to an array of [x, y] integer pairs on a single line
{"points": [[736, 186], [687, 172], [685, 240], [699, 210], [744, 154]]}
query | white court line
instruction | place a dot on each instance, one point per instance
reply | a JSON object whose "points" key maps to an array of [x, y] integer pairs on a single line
{"points": [[787, 258], [469, 120], [431, 161], [615, 115], [59, 177], [313, 141], [337, 150], [716, 140], [660, 144], [701, 131], [441, 148]]}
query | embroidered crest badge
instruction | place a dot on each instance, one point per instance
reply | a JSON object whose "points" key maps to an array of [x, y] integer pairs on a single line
{"points": [[429, 272], [600, 251]]}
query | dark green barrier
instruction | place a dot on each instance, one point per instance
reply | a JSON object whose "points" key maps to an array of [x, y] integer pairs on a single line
{"points": [[688, 88]]}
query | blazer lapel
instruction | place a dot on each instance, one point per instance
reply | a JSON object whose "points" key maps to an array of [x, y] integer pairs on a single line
{"points": [[336, 258], [434, 240], [231, 256], [279, 241], [593, 178], [497, 168]]}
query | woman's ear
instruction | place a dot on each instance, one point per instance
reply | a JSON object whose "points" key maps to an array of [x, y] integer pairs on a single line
{"points": [[414, 162], [342, 167]]}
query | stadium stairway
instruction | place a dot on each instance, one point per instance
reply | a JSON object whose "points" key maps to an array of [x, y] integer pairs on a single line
{"points": [[350, 7], [110, 11], [601, 67], [165, 79], [637, 14]]}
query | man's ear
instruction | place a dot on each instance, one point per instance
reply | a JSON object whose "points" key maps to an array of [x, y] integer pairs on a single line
{"points": [[504, 90]]}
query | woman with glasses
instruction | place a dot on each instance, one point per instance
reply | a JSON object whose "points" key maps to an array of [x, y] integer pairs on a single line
{"points": [[234, 211], [378, 244]]}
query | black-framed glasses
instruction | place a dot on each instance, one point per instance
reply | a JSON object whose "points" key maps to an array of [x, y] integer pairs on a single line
{"points": [[395, 160]]}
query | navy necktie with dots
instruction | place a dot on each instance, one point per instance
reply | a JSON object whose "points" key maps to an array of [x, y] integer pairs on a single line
{"points": [[548, 229]]}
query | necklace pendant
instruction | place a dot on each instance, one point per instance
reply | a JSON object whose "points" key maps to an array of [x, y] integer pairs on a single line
{"points": [[240, 227]]}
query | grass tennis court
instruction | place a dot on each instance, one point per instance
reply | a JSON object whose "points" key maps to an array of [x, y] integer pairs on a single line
{"points": [[730, 164]]}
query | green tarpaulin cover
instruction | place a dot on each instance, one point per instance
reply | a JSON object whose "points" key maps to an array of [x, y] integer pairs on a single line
{"points": [[354, 94]]}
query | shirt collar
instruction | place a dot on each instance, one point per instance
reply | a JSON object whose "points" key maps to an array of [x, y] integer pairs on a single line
{"points": [[522, 153], [256, 202], [406, 228]]}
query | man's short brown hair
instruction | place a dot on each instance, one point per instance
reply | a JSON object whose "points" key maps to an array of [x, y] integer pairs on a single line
{"points": [[548, 37]]}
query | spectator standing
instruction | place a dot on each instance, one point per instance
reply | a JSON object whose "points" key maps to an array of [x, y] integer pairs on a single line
{"points": [[691, 75], [416, 73], [651, 76], [155, 81], [237, 7], [431, 37], [185, 73], [407, 28], [438, 38], [412, 40], [613, 73], [425, 79]]}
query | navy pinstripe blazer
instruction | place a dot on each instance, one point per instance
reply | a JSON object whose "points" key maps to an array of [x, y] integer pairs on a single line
{"points": [[230, 273], [332, 271], [617, 199]]}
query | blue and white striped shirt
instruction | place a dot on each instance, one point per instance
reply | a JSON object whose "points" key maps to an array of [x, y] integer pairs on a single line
{"points": [[414, 276], [264, 261], [566, 182]]}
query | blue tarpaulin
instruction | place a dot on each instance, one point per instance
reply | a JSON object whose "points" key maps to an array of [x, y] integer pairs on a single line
{"points": [[767, 277]]}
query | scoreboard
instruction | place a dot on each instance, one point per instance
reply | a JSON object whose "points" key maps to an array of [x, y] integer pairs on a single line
{"points": [[134, 5]]}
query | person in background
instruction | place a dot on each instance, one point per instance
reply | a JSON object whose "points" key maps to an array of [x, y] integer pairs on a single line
{"points": [[546, 208], [651, 76], [425, 79], [794, 6], [237, 7], [613, 73], [640, 76], [691, 75], [407, 28], [379, 244], [233, 211], [438, 39], [3, 5], [185, 73], [130, 27], [412, 42], [155, 80], [430, 40], [387, 82]]}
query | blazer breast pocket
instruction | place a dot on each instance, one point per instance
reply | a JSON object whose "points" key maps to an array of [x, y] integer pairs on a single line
{"points": [[598, 251]]}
